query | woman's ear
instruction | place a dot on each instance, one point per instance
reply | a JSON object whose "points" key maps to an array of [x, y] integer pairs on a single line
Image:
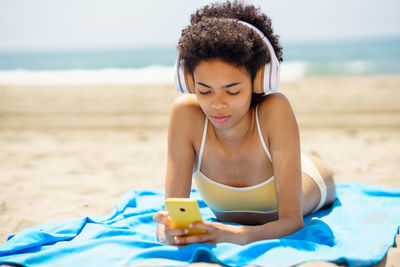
{"points": [[258, 83], [189, 80]]}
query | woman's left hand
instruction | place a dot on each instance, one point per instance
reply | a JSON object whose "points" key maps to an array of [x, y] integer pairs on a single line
{"points": [[216, 233]]}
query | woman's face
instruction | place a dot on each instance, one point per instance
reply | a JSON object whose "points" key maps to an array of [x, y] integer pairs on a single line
{"points": [[223, 91]]}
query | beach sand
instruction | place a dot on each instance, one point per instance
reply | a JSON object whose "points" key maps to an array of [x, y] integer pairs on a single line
{"points": [[71, 151]]}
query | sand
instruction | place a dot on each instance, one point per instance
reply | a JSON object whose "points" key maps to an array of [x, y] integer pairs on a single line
{"points": [[71, 151]]}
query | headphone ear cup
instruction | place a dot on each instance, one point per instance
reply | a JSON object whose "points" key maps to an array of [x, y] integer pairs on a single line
{"points": [[258, 83], [189, 81], [274, 77], [267, 78], [179, 76]]}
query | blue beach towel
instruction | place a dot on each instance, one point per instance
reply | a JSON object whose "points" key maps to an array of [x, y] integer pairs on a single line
{"points": [[357, 230]]}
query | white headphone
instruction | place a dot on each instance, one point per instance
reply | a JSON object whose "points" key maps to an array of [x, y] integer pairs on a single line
{"points": [[265, 81]]}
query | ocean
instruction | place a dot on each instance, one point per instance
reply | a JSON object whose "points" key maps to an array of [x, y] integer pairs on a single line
{"points": [[155, 65]]}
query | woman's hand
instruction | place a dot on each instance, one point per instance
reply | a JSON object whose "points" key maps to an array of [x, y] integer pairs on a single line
{"points": [[165, 233], [216, 232]]}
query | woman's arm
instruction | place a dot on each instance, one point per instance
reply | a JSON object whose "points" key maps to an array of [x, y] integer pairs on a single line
{"points": [[277, 116], [180, 157], [181, 151]]}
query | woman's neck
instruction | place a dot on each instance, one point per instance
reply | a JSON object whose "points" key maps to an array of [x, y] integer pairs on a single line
{"points": [[238, 134]]}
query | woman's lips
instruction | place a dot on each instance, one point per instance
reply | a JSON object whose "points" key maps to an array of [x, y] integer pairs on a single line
{"points": [[220, 118]]}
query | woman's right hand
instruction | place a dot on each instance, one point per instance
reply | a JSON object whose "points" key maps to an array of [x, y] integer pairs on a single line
{"points": [[165, 233]]}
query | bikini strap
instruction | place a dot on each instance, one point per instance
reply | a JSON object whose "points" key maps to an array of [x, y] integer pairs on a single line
{"points": [[203, 140], [261, 136]]}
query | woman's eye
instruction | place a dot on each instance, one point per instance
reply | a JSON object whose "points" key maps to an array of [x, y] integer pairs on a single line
{"points": [[204, 92], [233, 93]]}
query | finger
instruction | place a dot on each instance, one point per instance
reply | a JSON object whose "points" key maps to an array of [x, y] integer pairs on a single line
{"points": [[166, 234], [159, 215], [203, 225], [190, 239], [169, 231], [162, 217]]}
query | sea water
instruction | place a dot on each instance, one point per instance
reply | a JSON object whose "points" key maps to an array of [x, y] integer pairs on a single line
{"points": [[155, 65]]}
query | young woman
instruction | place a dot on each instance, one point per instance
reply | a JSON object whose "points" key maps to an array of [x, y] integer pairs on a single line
{"points": [[234, 136]]}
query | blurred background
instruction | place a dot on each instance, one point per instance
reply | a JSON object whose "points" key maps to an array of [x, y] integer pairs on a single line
{"points": [[86, 88], [134, 42]]}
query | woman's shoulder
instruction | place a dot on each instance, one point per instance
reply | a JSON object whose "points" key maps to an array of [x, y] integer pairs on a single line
{"points": [[274, 105], [276, 114], [186, 113], [187, 106]]}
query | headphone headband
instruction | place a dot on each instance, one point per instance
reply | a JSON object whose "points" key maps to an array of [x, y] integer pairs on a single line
{"points": [[266, 80]]}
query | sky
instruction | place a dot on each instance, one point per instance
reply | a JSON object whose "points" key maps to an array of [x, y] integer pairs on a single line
{"points": [[43, 24]]}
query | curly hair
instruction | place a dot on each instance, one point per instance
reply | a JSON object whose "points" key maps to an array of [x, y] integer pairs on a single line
{"points": [[214, 32]]}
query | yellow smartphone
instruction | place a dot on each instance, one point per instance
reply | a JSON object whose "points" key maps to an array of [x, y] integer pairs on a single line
{"points": [[184, 211]]}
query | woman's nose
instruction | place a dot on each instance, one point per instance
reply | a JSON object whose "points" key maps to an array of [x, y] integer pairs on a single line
{"points": [[218, 102]]}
